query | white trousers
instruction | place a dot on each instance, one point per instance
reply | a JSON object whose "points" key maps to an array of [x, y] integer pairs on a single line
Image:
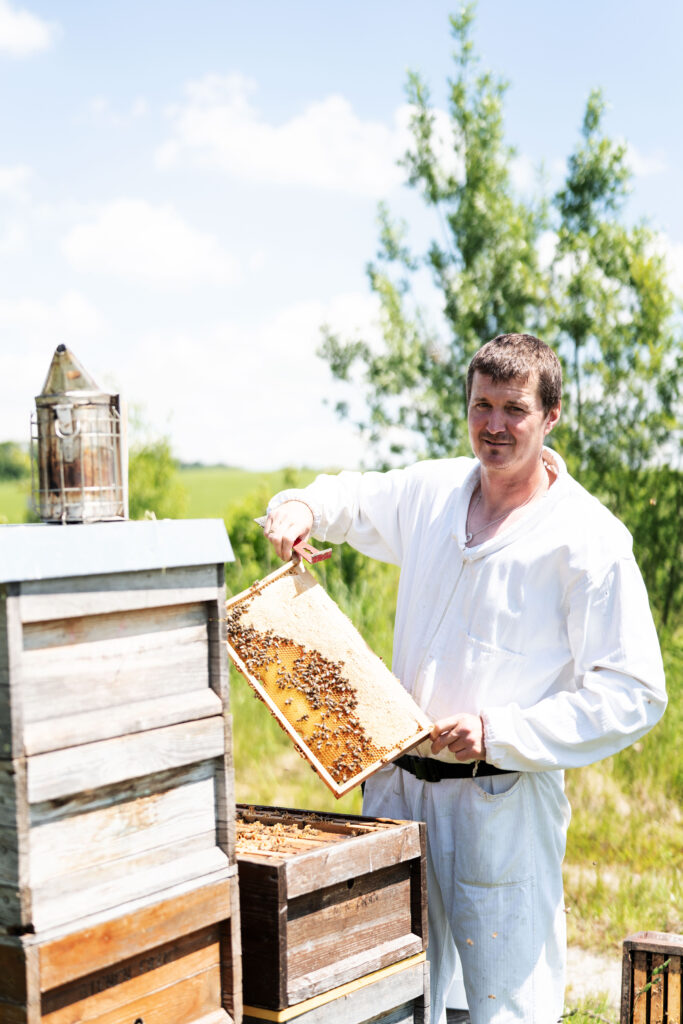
{"points": [[494, 854]]}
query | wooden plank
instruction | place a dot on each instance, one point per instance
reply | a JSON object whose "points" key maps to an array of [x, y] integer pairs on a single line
{"points": [[263, 919], [334, 924], [122, 792], [102, 661], [231, 957], [418, 890], [61, 773], [145, 876], [219, 678], [70, 845], [657, 990], [80, 953], [640, 979], [91, 726], [125, 984], [381, 991], [674, 1005], [358, 856], [96, 595]]}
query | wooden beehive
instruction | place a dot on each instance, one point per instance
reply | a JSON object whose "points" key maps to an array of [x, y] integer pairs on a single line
{"points": [[116, 782], [651, 979], [325, 899], [176, 961], [398, 994], [345, 711]]}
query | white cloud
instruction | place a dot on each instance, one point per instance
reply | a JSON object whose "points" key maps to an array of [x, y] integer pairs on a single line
{"points": [[673, 254], [14, 181], [23, 33], [133, 238], [249, 396], [30, 330], [99, 107], [326, 146], [645, 165]]}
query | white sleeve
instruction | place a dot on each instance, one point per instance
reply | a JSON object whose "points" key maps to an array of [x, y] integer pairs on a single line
{"points": [[619, 685], [360, 508]]}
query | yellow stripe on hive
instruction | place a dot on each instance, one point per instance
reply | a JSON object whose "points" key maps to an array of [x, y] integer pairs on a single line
{"points": [[334, 993]]}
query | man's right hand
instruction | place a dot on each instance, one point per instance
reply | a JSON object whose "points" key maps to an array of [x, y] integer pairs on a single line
{"points": [[288, 523]]}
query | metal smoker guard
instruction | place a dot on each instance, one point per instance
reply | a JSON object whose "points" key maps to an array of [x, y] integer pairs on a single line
{"points": [[79, 465]]}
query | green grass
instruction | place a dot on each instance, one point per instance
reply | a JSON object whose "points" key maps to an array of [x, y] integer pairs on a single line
{"points": [[14, 496], [212, 491]]}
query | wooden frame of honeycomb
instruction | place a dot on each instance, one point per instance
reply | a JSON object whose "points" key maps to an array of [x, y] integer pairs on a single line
{"points": [[346, 713]]}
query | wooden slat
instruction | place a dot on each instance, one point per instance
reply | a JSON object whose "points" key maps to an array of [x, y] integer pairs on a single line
{"points": [[640, 980], [657, 990], [91, 726], [83, 952], [125, 984], [147, 876], [96, 662], [219, 680], [358, 856], [263, 919], [363, 999], [67, 846], [96, 595], [231, 957], [63, 772], [674, 1005]]}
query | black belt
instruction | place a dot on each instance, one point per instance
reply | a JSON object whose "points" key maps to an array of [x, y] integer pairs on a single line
{"points": [[428, 769]]}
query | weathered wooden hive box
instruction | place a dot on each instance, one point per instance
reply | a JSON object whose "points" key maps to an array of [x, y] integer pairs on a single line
{"points": [[651, 979], [325, 899], [117, 868]]}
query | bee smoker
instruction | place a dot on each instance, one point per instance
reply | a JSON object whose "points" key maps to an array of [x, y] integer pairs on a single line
{"points": [[79, 460]]}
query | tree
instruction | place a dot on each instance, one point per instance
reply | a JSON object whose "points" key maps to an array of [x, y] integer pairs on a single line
{"points": [[14, 461], [603, 303], [611, 316], [153, 481], [484, 265]]}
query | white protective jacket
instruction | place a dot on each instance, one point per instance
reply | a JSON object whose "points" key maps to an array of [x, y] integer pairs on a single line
{"points": [[544, 630]]}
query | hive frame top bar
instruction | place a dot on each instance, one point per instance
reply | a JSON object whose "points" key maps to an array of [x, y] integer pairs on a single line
{"points": [[380, 722]]}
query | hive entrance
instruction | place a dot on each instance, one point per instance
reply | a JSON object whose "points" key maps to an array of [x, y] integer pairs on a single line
{"points": [[345, 711]]}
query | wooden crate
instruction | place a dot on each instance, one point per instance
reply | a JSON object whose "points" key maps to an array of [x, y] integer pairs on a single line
{"points": [[116, 780], [330, 907], [651, 979], [173, 962], [398, 994]]}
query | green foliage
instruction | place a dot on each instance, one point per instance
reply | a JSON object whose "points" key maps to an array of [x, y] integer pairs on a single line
{"points": [[154, 485], [484, 265], [604, 304], [14, 461]]}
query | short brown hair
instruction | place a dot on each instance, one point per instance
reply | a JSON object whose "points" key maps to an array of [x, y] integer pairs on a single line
{"points": [[517, 357]]}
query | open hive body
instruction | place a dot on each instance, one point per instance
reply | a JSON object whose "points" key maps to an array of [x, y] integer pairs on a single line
{"points": [[326, 900], [345, 711], [118, 880]]}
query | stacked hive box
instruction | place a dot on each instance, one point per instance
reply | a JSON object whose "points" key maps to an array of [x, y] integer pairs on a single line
{"points": [[651, 990], [118, 882], [333, 915]]}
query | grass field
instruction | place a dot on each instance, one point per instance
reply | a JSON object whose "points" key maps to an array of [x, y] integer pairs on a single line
{"points": [[623, 864]]}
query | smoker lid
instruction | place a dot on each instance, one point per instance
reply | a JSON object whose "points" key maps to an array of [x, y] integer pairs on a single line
{"points": [[67, 376], [40, 551]]}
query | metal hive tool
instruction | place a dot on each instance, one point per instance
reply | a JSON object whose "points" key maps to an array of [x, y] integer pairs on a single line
{"points": [[345, 711]]}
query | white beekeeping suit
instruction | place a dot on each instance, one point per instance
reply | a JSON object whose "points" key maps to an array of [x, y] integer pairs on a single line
{"points": [[544, 631]]}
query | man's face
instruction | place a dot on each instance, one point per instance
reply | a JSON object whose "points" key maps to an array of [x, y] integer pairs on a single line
{"points": [[507, 424]]}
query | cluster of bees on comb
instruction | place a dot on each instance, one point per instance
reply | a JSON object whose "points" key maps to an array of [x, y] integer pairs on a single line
{"points": [[311, 692]]}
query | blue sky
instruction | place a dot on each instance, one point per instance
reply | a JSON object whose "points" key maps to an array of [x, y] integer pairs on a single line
{"points": [[187, 191]]}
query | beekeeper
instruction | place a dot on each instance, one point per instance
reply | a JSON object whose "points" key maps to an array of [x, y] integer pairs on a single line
{"points": [[523, 630]]}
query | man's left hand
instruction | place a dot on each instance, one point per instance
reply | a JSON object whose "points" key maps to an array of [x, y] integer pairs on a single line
{"points": [[462, 734]]}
